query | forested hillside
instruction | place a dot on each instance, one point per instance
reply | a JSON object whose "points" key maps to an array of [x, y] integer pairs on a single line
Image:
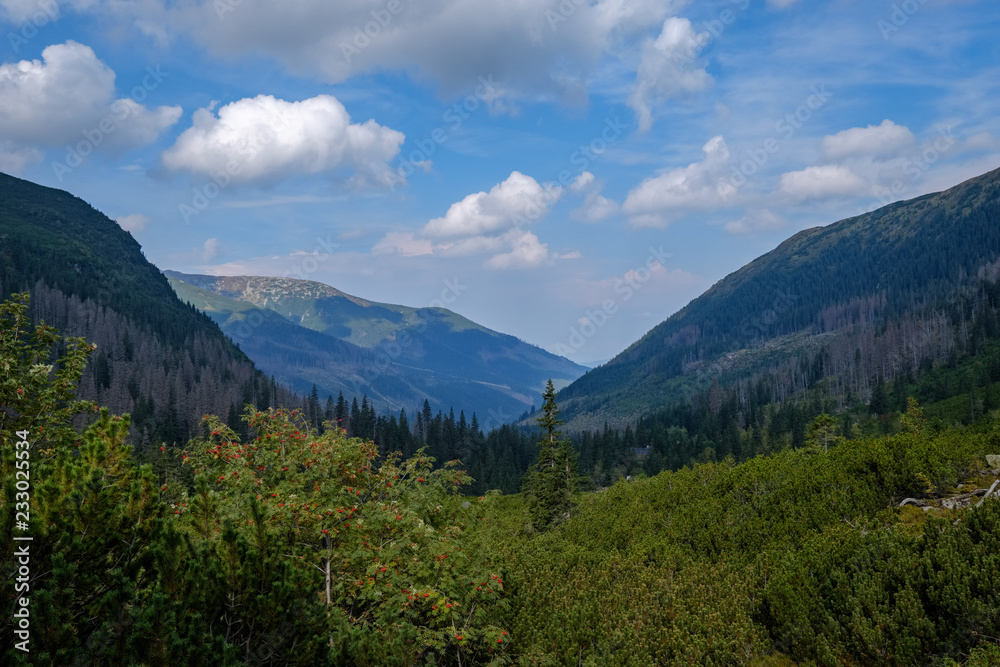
{"points": [[857, 304], [157, 358], [307, 333]]}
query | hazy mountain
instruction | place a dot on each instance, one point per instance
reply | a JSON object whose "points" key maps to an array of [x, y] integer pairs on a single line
{"points": [[853, 304], [306, 333]]}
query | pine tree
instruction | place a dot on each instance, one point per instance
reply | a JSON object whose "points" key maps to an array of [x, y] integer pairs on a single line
{"points": [[550, 483]]}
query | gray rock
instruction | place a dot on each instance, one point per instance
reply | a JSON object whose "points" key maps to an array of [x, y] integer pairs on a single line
{"points": [[993, 461]]}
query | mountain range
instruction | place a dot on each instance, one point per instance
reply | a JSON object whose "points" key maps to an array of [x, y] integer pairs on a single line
{"points": [[845, 308], [306, 333]]}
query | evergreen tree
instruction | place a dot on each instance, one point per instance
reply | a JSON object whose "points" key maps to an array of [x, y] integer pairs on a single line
{"points": [[550, 483]]}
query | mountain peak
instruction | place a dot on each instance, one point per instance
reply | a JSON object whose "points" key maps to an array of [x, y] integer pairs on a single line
{"points": [[264, 290]]}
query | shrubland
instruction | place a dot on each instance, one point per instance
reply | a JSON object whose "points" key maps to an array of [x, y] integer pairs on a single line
{"points": [[282, 545]]}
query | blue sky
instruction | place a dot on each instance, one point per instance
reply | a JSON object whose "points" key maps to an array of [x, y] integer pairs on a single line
{"points": [[571, 172]]}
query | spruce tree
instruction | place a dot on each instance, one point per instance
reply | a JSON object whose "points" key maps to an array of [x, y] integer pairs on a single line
{"points": [[549, 484]]}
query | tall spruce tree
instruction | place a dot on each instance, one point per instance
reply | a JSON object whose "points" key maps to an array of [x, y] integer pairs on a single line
{"points": [[549, 484]]}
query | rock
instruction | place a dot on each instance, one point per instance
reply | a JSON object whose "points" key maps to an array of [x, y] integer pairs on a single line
{"points": [[993, 461], [995, 482], [913, 501]]}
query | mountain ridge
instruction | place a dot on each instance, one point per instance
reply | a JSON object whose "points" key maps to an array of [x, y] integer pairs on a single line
{"points": [[401, 354], [880, 265]]}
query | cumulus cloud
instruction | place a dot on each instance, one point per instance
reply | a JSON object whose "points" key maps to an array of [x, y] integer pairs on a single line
{"points": [[265, 140], [582, 182], [13, 158], [517, 200], [39, 12], [135, 222], [697, 186], [210, 250], [982, 141], [526, 252], [668, 68], [596, 207], [882, 141], [403, 243], [68, 97], [758, 221], [823, 182], [542, 50], [486, 223]]}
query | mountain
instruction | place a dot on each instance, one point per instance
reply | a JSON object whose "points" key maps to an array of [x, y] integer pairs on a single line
{"points": [[852, 304], [157, 358], [304, 333]]}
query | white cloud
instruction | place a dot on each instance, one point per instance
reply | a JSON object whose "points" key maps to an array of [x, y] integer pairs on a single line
{"points": [[697, 186], [582, 182], [210, 250], [39, 12], [13, 159], [403, 243], [982, 141], [668, 68], [135, 222], [539, 49], [486, 223], [471, 245], [595, 206], [518, 200], [265, 140], [762, 220], [823, 182], [68, 97], [526, 252], [878, 141]]}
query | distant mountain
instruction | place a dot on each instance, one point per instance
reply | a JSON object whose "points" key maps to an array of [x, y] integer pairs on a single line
{"points": [[157, 358], [304, 333], [851, 304]]}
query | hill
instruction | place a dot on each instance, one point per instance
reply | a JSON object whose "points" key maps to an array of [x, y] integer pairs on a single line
{"points": [[304, 333], [855, 304], [157, 358]]}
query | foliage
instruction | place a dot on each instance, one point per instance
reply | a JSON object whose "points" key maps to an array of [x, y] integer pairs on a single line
{"points": [[550, 483], [381, 540], [271, 542], [290, 548]]}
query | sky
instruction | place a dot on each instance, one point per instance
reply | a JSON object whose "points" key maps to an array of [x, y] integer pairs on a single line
{"points": [[571, 172]]}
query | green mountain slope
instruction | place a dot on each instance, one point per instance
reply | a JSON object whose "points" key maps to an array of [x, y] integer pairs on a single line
{"points": [[830, 290], [305, 333], [156, 357]]}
